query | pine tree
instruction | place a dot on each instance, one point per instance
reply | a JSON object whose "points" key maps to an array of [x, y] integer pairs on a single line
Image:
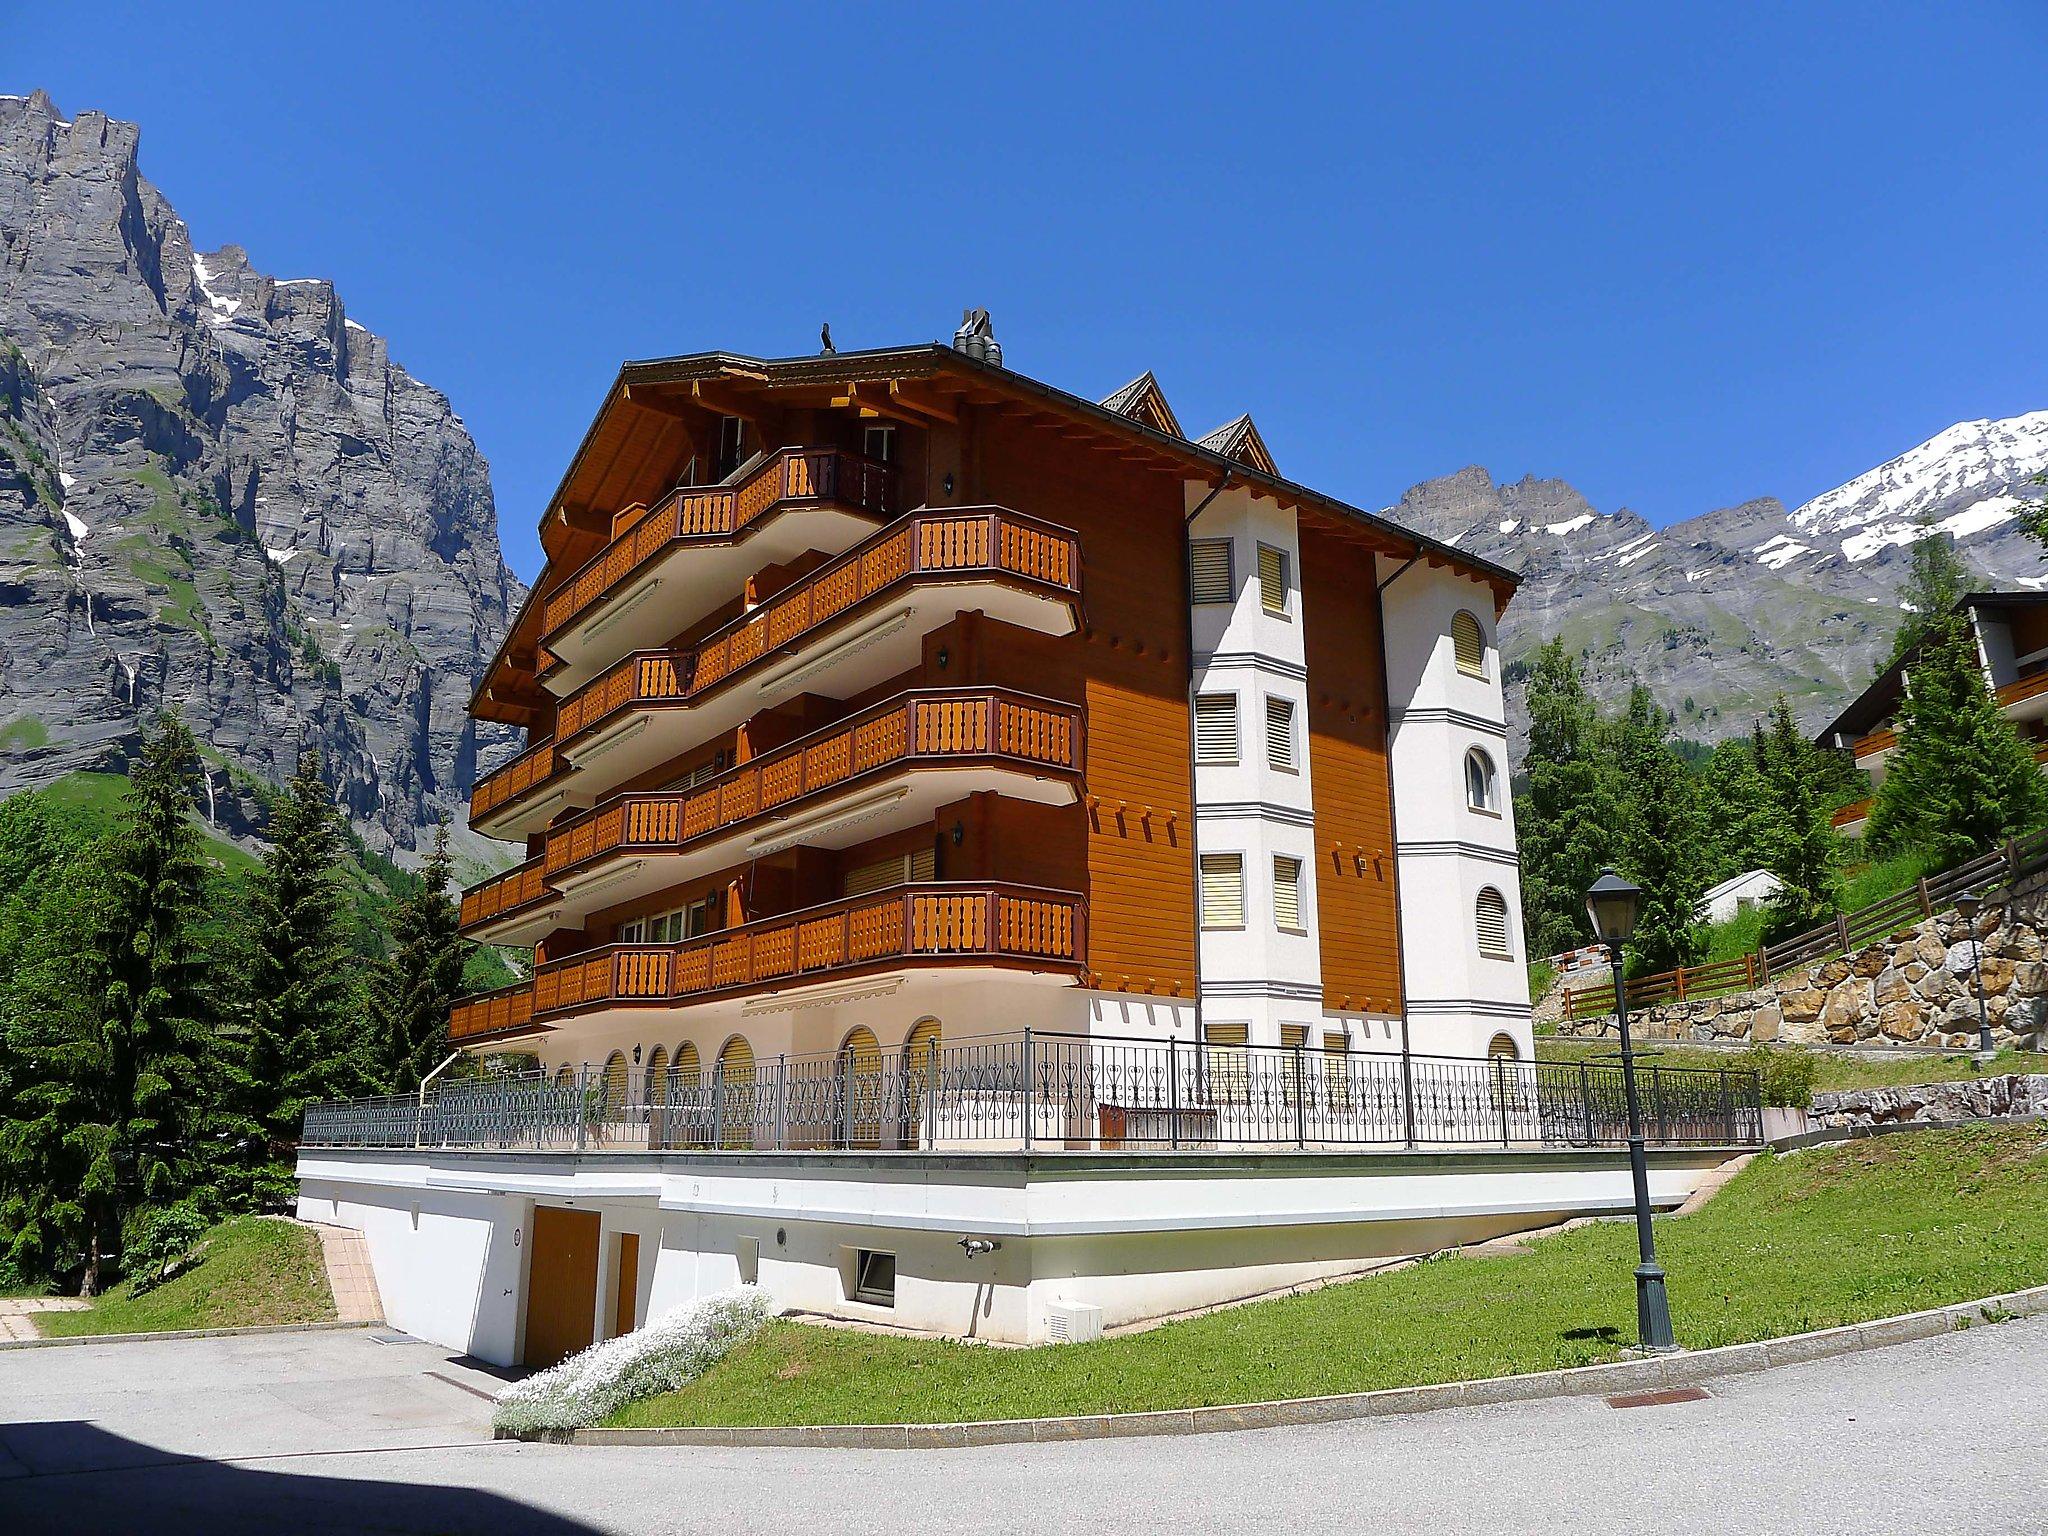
{"points": [[1662, 836], [1960, 778], [110, 1109], [1936, 580], [1565, 815], [421, 978], [1799, 845], [1734, 807], [306, 1039]]}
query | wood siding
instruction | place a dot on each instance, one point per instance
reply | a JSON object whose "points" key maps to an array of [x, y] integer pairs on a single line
{"points": [[561, 1285], [1358, 930]]}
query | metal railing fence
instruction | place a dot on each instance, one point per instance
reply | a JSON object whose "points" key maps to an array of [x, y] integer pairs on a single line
{"points": [[1060, 1092]]}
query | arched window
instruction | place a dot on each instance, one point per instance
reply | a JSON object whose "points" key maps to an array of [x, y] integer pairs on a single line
{"points": [[860, 1088], [736, 1071], [920, 1070], [1468, 644], [1502, 1047], [657, 1075], [1491, 920], [689, 1070], [1482, 784], [615, 1082], [565, 1076]]}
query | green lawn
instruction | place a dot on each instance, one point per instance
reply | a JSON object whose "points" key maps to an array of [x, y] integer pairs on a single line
{"points": [[1836, 1072], [1834, 1235], [254, 1271]]}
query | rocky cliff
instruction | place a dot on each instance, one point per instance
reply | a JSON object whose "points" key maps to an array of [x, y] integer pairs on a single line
{"points": [[1722, 612], [220, 493]]}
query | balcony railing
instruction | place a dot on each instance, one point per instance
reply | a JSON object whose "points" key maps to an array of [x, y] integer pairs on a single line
{"points": [[2022, 689], [517, 887], [1062, 1092], [954, 545], [1874, 743], [950, 727], [492, 1013], [827, 475]]}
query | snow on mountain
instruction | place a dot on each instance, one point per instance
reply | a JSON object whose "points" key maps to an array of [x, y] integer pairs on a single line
{"points": [[1961, 481]]}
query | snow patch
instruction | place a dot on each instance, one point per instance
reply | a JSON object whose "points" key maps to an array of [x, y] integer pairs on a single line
{"points": [[1694, 575], [280, 556], [1573, 525], [1988, 513], [2036, 582], [1511, 525], [1779, 551], [66, 480], [355, 325], [223, 309], [76, 524]]}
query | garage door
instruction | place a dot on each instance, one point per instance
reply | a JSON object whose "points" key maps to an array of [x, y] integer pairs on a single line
{"points": [[561, 1285]]}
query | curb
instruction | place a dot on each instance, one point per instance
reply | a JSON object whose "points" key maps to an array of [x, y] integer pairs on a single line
{"points": [[186, 1333], [1682, 1369]]}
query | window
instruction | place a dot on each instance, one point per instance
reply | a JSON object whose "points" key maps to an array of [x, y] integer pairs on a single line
{"points": [[1211, 578], [1287, 893], [615, 1082], [1468, 644], [1492, 922], [1227, 1061], [880, 444], [1280, 735], [1336, 1067], [1222, 890], [1482, 788], [898, 869], [672, 927], [1502, 1047], [656, 1091], [1273, 580], [874, 1277], [1216, 729], [732, 438]]}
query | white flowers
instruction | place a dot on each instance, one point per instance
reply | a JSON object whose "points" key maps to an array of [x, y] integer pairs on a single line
{"points": [[673, 1349]]}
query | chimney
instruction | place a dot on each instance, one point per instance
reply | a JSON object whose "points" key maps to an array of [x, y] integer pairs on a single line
{"points": [[977, 338]]}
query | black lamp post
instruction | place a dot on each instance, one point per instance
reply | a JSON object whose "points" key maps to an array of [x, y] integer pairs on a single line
{"points": [[1967, 906], [1611, 904]]}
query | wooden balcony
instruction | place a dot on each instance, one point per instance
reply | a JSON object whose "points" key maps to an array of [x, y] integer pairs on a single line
{"points": [[820, 476], [1874, 743], [2023, 690], [918, 923], [503, 1014], [517, 890], [1849, 819], [1016, 567], [1014, 926]]}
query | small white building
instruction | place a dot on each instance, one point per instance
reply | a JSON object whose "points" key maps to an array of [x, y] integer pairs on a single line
{"points": [[1736, 894]]}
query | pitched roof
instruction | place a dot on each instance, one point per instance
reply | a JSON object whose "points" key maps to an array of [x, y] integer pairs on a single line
{"points": [[1240, 440], [1143, 400]]}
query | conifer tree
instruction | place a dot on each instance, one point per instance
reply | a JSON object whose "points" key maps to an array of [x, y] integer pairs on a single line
{"points": [[1799, 843], [1734, 807], [1662, 836], [1936, 580], [109, 1109], [1564, 817], [1960, 778], [422, 976], [306, 1034]]}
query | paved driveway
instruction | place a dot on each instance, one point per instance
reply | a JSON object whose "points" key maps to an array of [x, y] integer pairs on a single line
{"points": [[336, 1432]]}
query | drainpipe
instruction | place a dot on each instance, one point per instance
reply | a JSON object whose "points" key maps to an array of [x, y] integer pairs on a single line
{"points": [[420, 1113]]}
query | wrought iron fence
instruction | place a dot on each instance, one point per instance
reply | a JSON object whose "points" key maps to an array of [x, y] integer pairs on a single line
{"points": [[1062, 1092]]}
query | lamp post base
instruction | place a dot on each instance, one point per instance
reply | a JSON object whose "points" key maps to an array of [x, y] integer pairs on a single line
{"points": [[1653, 1311]]}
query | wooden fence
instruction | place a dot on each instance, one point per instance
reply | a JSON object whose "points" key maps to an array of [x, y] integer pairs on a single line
{"points": [[1848, 932]]}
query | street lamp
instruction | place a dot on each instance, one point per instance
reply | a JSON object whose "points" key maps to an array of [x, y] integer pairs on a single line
{"points": [[1967, 906], [1611, 904]]}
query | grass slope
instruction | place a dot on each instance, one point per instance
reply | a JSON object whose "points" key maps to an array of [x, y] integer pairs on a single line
{"points": [[1836, 1072], [254, 1271], [1810, 1240]]}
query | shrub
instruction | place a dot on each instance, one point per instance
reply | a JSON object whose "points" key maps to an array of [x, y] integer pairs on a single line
{"points": [[669, 1352], [161, 1239], [1785, 1075]]}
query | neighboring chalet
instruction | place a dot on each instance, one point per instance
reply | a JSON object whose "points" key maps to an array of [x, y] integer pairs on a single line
{"points": [[2011, 630], [938, 787]]}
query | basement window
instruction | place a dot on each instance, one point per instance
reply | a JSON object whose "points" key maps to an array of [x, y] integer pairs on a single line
{"points": [[874, 1277]]}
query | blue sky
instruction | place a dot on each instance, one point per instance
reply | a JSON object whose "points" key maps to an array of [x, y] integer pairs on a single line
{"points": [[1679, 256]]}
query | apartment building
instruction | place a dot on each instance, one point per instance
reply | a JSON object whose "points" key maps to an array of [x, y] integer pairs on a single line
{"points": [[994, 863]]}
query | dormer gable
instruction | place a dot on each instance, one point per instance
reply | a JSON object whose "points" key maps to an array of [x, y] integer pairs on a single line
{"points": [[1240, 440], [1144, 402]]}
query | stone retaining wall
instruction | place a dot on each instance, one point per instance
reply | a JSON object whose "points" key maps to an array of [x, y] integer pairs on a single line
{"points": [[1982, 1098], [1912, 987]]}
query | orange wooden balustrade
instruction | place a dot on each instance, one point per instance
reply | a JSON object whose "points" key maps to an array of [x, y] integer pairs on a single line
{"points": [[504, 893], [942, 923], [1876, 741], [945, 726], [2022, 689], [508, 1008], [985, 541], [716, 511], [1853, 812]]}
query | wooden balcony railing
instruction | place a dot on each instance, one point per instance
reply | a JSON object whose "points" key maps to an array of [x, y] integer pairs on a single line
{"points": [[2022, 689], [491, 1013], [1875, 742], [984, 541], [719, 511], [508, 892], [947, 726], [1015, 925], [1855, 811]]}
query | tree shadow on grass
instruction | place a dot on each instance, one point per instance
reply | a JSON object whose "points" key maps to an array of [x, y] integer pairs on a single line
{"points": [[74, 1477], [1606, 1333]]}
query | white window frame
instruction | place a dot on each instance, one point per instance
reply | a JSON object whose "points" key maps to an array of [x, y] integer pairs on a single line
{"points": [[1506, 951], [1489, 805], [1280, 713], [1226, 865], [1292, 867], [1276, 596], [888, 437], [1478, 668], [1215, 705]]}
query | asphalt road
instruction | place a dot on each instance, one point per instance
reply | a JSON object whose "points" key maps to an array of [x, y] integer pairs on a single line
{"points": [[338, 1432]]}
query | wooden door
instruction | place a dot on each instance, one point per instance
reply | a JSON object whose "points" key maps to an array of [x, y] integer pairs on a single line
{"points": [[626, 1285], [561, 1285]]}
